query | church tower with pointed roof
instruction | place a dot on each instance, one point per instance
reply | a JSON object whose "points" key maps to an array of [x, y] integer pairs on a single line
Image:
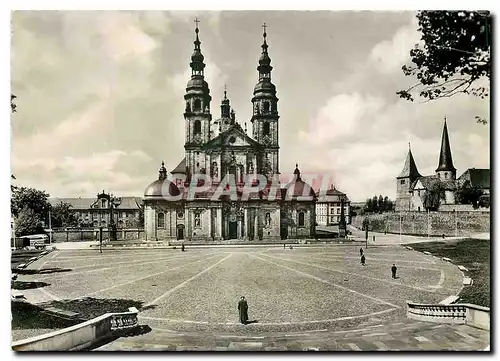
{"points": [[265, 111], [208, 199], [197, 113], [445, 169], [406, 178]]}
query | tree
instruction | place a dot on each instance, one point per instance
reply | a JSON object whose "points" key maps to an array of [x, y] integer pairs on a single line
{"points": [[468, 194], [381, 207], [62, 216], [29, 198], [366, 223], [28, 222], [386, 204], [453, 54], [369, 205], [375, 204], [433, 196]]}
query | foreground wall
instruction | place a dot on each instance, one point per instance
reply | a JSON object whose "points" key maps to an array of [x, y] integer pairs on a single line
{"points": [[81, 336]]}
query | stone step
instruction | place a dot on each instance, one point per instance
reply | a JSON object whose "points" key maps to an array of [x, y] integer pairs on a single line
{"points": [[414, 336]]}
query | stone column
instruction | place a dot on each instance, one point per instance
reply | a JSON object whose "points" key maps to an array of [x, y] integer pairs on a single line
{"points": [[209, 210], [218, 224], [256, 225], [247, 225], [188, 231]]}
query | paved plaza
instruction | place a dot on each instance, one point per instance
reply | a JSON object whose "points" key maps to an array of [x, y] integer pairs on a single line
{"points": [[304, 293]]}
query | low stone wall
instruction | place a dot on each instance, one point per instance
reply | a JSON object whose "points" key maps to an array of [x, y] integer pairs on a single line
{"points": [[465, 313], [478, 316], [422, 223], [81, 336], [76, 235]]}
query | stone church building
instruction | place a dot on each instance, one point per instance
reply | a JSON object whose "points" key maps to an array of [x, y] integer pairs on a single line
{"points": [[198, 203], [412, 186]]}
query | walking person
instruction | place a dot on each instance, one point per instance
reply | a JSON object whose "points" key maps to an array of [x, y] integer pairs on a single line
{"points": [[243, 310], [363, 259], [360, 252], [182, 247], [393, 270], [284, 245]]}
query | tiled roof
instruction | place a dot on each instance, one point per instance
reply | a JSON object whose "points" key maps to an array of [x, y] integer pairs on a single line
{"points": [[445, 159], [477, 177], [410, 168], [430, 180], [332, 195], [181, 167], [76, 203], [86, 203]]}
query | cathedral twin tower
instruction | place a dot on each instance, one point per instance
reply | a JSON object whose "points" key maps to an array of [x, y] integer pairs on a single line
{"points": [[221, 150], [201, 130]]}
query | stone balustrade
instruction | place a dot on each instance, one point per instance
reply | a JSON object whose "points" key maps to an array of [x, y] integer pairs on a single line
{"points": [[464, 313], [81, 336], [120, 321]]}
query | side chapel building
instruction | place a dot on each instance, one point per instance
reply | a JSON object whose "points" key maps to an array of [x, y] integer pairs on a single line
{"points": [[220, 148], [412, 186]]}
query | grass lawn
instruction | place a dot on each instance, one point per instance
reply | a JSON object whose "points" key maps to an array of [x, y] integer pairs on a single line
{"points": [[474, 254], [29, 320]]}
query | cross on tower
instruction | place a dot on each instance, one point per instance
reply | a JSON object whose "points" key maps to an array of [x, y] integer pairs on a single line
{"points": [[264, 26], [196, 22]]}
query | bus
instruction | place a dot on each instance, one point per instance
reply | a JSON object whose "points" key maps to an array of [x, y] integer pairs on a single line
{"points": [[34, 240]]}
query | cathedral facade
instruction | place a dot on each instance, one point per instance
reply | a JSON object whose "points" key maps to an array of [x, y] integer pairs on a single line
{"points": [[227, 186]]}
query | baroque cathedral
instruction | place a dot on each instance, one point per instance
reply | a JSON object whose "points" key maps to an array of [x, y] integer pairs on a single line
{"points": [[189, 206]]}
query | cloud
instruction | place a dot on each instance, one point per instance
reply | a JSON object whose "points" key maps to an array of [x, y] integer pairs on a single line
{"points": [[70, 176], [100, 96], [360, 135], [213, 76], [341, 117], [389, 55]]}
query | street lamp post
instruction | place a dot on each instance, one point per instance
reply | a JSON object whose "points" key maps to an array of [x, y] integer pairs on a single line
{"points": [[50, 229], [113, 203]]}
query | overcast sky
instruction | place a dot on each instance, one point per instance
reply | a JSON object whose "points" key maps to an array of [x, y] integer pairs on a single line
{"points": [[100, 96]]}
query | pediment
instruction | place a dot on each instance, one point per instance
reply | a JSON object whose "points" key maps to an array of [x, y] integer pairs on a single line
{"points": [[233, 137]]}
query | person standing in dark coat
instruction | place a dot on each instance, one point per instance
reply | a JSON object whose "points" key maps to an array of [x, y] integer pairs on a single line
{"points": [[361, 251], [394, 269], [363, 260], [243, 310], [182, 247]]}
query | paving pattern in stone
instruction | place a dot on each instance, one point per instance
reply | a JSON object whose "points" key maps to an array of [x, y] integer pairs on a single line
{"points": [[405, 335], [300, 298]]}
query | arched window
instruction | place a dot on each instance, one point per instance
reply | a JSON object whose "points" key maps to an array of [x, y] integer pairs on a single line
{"points": [[267, 128], [161, 220], [301, 219], [197, 127], [266, 107], [197, 105]]}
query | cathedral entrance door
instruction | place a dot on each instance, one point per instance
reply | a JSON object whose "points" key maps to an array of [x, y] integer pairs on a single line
{"points": [[233, 230], [180, 232]]}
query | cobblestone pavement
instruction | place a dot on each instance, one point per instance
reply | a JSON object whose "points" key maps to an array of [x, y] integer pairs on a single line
{"points": [[404, 335], [302, 297]]}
